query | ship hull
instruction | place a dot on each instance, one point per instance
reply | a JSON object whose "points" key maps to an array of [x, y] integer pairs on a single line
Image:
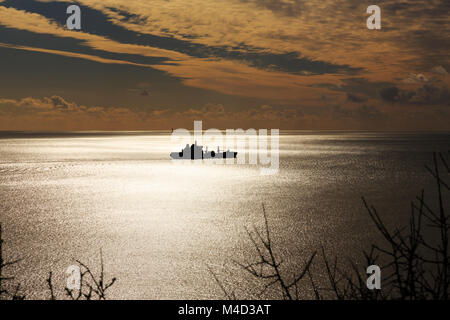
{"points": [[220, 155]]}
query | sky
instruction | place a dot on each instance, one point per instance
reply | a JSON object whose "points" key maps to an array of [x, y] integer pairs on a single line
{"points": [[285, 64]]}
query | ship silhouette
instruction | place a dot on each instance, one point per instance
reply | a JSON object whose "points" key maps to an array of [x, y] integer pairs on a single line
{"points": [[195, 152]]}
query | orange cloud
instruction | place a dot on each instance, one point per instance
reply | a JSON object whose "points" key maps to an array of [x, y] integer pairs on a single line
{"points": [[403, 55], [57, 114]]}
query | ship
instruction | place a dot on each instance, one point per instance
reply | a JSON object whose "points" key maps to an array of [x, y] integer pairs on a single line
{"points": [[195, 152]]}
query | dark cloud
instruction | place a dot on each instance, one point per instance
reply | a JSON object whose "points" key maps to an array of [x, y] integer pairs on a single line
{"points": [[98, 23], [124, 16], [390, 94], [425, 95], [430, 94], [59, 103], [355, 98], [358, 89]]}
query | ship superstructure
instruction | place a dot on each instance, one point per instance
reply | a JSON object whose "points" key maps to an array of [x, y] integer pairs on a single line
{"points": [[195, 152]]}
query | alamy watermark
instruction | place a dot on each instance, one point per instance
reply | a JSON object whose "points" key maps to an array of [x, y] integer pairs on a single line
{"points": [[74, 20], [374, 20], [73, 281], [374, 280]]}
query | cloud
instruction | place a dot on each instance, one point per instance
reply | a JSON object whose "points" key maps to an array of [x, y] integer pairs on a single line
{"points": [[370, 112], [415, 78], [291, 8], [219, 112], [36, 23], [432, 95], [286, 61], [73, 55], [355, 98], [56, 108], [425, 95], [232, 75], [142, 89], [277, 52], [337, 112], [56, 113], [392, 94], [439, 70], [362, 112], [256, 28]]}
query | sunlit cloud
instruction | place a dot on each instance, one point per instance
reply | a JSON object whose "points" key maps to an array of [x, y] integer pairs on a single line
{"points": [[57, 114], [316, 59], [72, 55], [227, 76], [322, 30]]}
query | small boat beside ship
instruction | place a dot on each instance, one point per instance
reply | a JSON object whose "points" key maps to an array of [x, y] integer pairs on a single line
{"points": [[195, 152]]}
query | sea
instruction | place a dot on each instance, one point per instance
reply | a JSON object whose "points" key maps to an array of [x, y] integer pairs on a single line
{"points": [[180, 229]]}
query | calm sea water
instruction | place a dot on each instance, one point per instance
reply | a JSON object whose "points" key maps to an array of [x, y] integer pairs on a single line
{"points": [[161, 224]]}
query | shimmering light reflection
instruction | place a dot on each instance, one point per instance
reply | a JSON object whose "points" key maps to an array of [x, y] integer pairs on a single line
{"points": [[160, 222]]}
